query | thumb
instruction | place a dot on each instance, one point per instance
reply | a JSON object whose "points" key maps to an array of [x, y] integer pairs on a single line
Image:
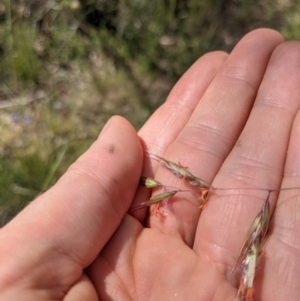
{"points": [[77, 216]]}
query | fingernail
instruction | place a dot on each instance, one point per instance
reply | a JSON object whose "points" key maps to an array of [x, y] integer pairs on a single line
{"points": [[105, 126]]}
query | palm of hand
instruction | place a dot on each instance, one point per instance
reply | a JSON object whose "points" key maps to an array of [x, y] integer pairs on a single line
{"points": [[231, 120], [185, 256], [161, 267]]}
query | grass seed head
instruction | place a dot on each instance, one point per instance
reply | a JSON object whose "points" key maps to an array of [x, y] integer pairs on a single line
{"points": [[256, 233], [149, 182], [249, 264], [159, 197], [180, 171]]}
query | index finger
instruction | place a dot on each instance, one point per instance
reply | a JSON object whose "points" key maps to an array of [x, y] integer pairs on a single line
{"points": [[166, 123]]}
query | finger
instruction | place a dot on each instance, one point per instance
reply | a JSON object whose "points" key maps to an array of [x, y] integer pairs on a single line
{"points": [[165, 124], [82, 290], [68, 225], [213, 128], [282, 262], [256, 161]]}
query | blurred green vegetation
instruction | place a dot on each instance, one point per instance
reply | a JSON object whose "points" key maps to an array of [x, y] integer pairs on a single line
{"points": [[67, 66]]}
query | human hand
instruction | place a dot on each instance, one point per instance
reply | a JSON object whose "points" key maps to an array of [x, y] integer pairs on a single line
{"points": [[231, 120]]}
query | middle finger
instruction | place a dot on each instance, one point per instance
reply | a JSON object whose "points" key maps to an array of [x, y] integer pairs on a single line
{"points": [[214, 127]]}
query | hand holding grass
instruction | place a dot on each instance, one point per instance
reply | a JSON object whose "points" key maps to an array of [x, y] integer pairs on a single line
{"points": [[234, 121]]}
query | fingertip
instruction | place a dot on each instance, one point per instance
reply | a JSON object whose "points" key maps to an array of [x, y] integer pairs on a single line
{"points": [[262, 40], [83, 289], [265, 35], [216, 56], [118, 135], [287, 51], [117, 121]]}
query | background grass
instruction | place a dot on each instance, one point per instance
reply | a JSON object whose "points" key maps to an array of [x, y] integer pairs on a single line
{"points": [[67, 66]]}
